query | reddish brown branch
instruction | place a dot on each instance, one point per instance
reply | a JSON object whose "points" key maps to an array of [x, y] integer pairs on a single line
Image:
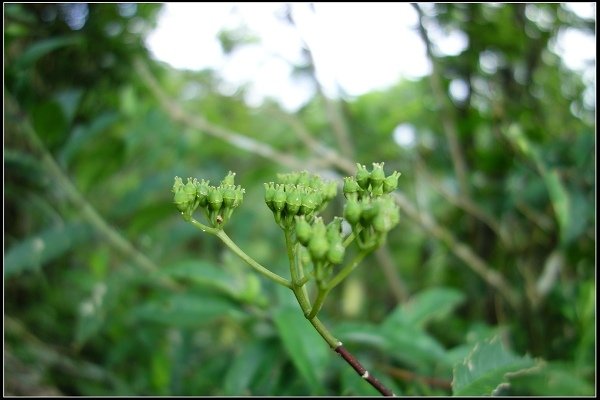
{"points": [[360, 370]]}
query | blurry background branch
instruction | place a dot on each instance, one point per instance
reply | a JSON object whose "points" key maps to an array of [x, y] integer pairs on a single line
{"points": [[337, 121], [462, 251], [87, 211], [514, 225], [198, 122], [445, 110]]}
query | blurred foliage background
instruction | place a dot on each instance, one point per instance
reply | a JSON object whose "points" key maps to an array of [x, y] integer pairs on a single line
{"points": [[107, 291]]}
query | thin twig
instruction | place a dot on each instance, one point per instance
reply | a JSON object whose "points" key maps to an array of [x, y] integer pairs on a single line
{"points": [[426, 221], [446, 116], [89, 213], [328, 155], [45, 354], [337, 121], [198, 122], [395, 282], [362, 371], [465, 203]]}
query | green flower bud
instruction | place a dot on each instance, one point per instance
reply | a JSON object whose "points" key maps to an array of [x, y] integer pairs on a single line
{"points": [[229, 179], [303, 179], [368, 212], [239, 196], [202, 193], [319, 227], [310, 201], [391, 182], [377, 190], [352, 211], [303, 231], [288, 179], [335, 254], [177, 185], [215, 198], [329, 190], [388, 215], [362, 176], [334, 230], [351, 188], [279, 198], [293, 201], [190, 189], [377, 177], [228, 196], [181, 200], [318, 246], [269, 195]]}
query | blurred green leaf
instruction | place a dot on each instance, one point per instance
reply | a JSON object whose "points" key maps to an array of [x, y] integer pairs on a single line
{"points": [[560, 202], [187, 310], [83, 134], [40, 48], [203, 273], [37, 250], [245, 366], [427, 305], [486, 368], [552, 379], [307, 350], [50, 123], [408, 344]]}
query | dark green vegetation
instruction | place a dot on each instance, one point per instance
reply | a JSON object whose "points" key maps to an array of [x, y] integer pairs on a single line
{"points": [[107, 291]]}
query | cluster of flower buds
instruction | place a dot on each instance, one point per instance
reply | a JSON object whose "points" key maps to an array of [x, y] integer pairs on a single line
{"points": [[323, 242], [369, 206], [371, 184], [297, 194], [217, 202]]}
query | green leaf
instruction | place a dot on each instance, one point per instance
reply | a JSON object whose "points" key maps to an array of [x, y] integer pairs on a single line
{"points": [[37, 250], [187, 310], [50, 123], [306, 348], [560, 202], [39, 49], [552, 379], [245, 366], [83, 135], [405, 343], [431, 304], [486, 368], [203, 273]]}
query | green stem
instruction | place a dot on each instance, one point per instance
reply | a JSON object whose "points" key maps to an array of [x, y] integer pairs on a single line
{"points": [[318, 302], [202, 227], [346, 270], [296, 287], [249, 260], [324, 332], [302, 281], [352, 236]]}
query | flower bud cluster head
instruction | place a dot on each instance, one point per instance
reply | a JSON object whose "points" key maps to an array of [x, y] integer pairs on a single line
{"points": [[297, 194], [324, 242], [369, 206], [372, 183], [218, 202]]}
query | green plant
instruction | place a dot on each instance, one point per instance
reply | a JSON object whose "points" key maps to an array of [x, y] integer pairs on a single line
{"points": [[296, 201]]}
